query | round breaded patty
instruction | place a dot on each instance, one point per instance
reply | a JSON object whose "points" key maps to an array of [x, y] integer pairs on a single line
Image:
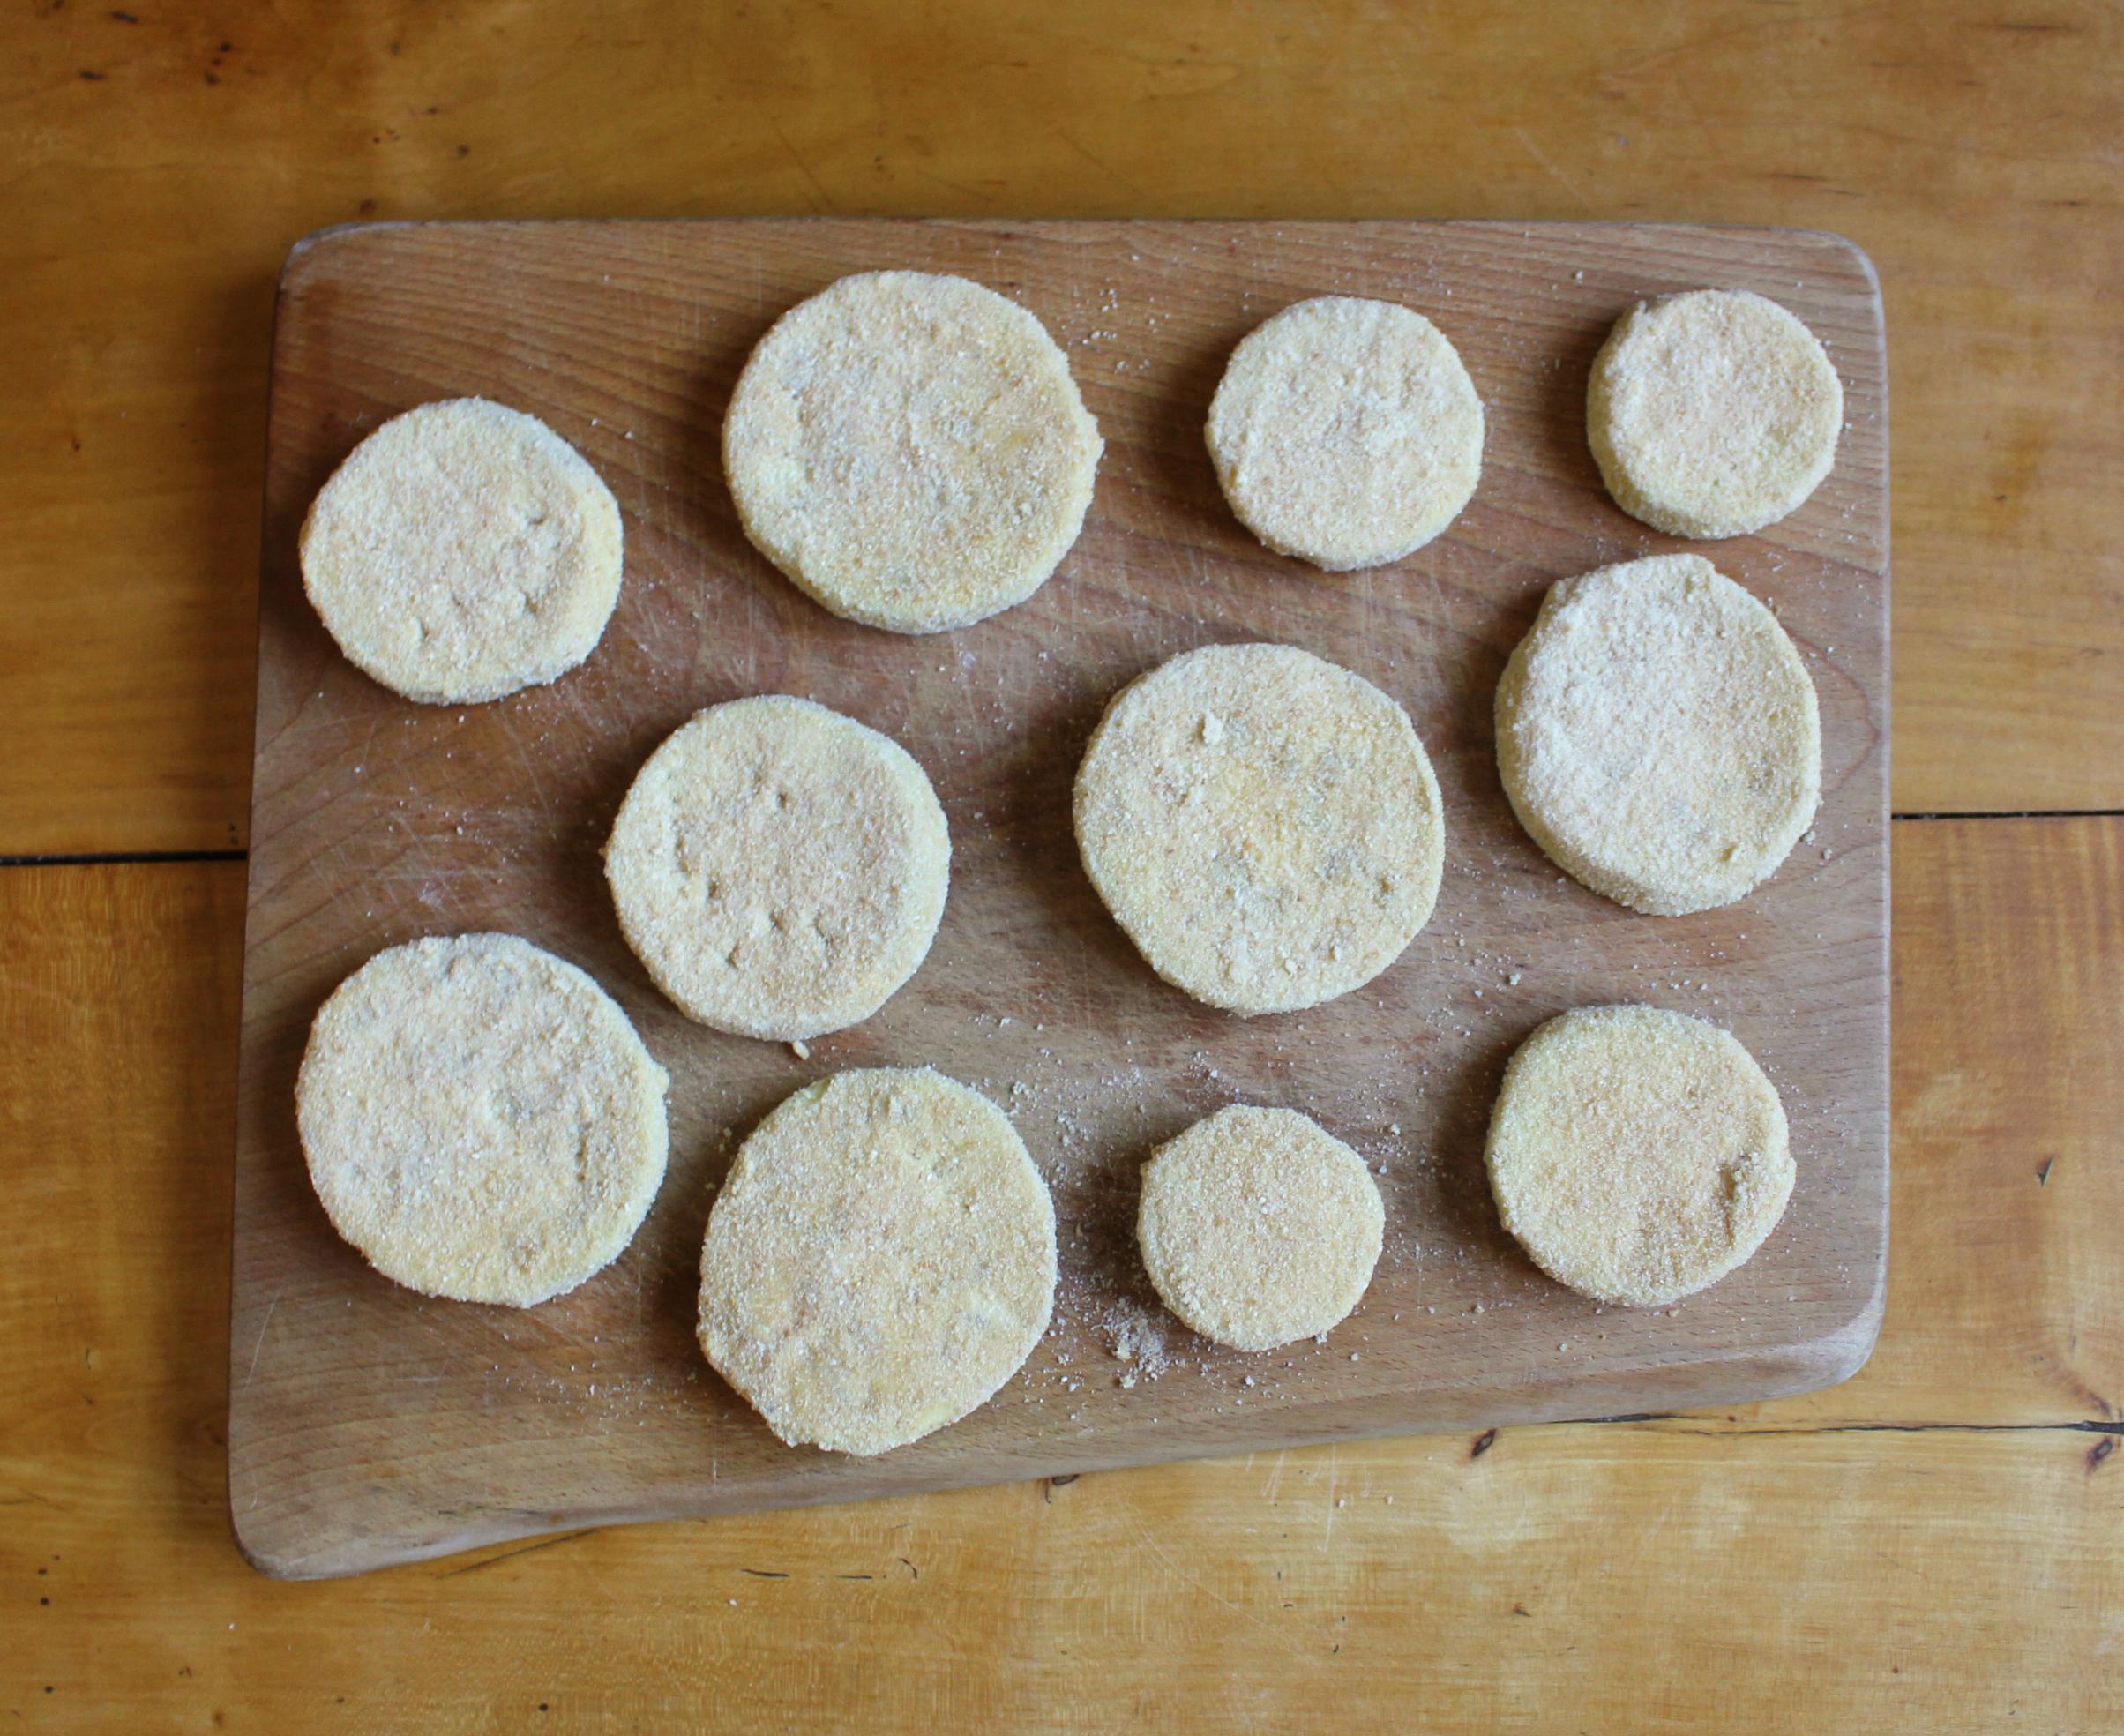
{"points": [[779, 868], [1346, 432], [880, 1261], [1264, 826], [910, 450], [1637, 1154], [1713, 413], [481, 1119], [462, 551], [1259, 1227], [1658, 736]]}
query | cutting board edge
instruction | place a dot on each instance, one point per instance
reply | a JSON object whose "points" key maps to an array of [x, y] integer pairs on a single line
{"points": [[280, 1551]]}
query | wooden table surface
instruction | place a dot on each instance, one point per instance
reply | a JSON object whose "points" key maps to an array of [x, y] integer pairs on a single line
{"points": [[1933, 1545]]}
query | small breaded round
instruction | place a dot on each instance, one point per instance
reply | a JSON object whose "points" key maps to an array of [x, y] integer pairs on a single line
{"points": [[779, 868], [1346, 432], [462, 551], [1259, 1227], [1713, 413], [479, 1119], [1637, 1154], [910, 450], [879, 1262]]}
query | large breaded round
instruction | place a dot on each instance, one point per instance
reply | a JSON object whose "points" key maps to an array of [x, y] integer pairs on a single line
{"points": [[462, 551], [1263, 825], [1713, 413], [1658, 736], [1637, 1154], [779, 868], [1346, 432], [1259, 1227], [910, 450], [479, 1119], [880, 1261]]}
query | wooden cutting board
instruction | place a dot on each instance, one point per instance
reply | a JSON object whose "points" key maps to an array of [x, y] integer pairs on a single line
{"points": [[370, 1425]]}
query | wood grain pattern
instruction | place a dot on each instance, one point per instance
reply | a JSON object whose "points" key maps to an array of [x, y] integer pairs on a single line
{"points": [[368, 1425], [1950, 1570], [1924, 1545], [1967, 145]]}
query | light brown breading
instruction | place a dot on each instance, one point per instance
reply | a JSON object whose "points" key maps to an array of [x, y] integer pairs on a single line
{"points": [[1264, 826], [1658, 736], [1637, 1154], [1258, 1227], [462, 551], [1346, 432], [879, 1262], [1713, 413], [779, 868], [481, 1119], [910, 450]]}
